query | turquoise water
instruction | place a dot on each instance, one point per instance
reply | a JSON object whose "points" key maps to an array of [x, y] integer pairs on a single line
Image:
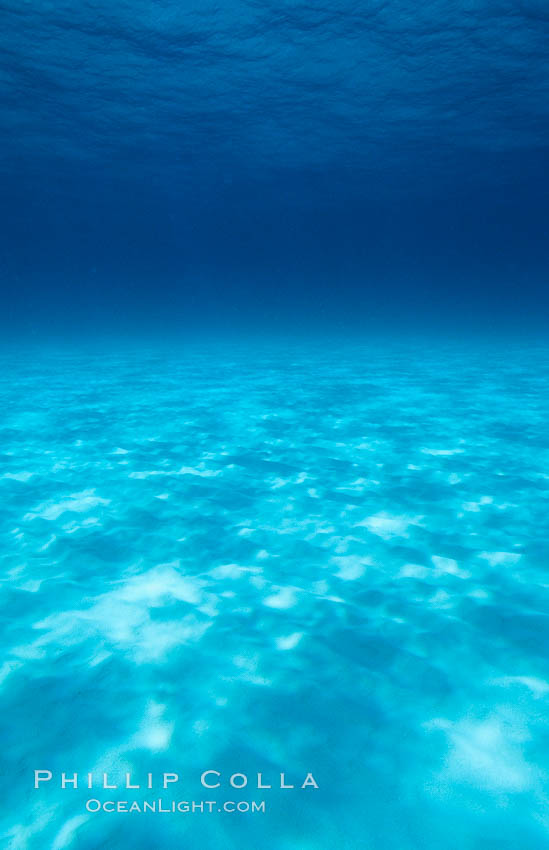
{"points": [[278, 559]]}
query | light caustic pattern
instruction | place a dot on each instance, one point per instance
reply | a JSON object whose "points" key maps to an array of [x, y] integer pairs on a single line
{"points": [[278, 560]]}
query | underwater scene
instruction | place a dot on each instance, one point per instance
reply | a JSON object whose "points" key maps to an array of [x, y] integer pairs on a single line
{"points": [[274, 442], [301, 563]]}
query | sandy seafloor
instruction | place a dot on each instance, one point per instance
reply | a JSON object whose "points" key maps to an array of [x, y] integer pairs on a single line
{"points": [[278, 558]]}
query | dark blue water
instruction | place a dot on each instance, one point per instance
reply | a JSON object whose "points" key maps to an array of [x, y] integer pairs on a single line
{"points": [[274, 471], [253, 164]]}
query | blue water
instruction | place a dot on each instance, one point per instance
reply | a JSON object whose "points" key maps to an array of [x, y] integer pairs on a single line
{"points": [[180, 165], [278, 558], [273, 423]]}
